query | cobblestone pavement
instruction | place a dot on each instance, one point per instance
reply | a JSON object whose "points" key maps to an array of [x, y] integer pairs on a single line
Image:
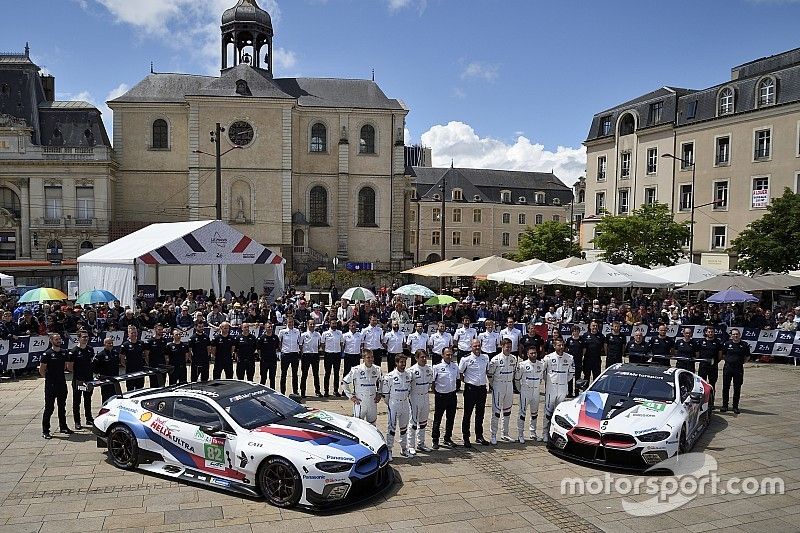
{"points": [[66, 484]]}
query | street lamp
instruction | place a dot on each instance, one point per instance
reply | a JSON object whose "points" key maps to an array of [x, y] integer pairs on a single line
{"points": [[686, 162], [215, 138]]}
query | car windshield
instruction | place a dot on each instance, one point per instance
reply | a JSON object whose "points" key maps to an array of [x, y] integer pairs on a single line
{"points": [[260, 407], [649, 387]]}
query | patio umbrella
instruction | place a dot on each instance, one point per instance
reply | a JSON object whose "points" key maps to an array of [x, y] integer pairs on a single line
{"points": [[441, 299], [532, 262], [414, 289], [521, 275], [95, 296], [727, 280], [597, 274], [434, 270], [731, 296], [570, 262], [685, 273], [43, 294], [780, 279], [642, 277], [358, 294], [482, 267]]}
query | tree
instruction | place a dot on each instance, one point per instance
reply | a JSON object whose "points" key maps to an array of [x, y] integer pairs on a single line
{"points": [[649, 236], [549, 241], [320, 279], [771, 242]]}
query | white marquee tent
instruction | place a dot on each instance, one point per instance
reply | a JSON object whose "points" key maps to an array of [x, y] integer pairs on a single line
{"points": [[202, 255]]}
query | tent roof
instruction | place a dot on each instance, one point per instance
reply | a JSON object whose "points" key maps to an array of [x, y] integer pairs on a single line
{"points": [[203, 242], [482, 267], [433, 270]]}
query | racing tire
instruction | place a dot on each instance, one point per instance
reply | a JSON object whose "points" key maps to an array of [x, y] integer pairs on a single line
{"points": [[280, 482], [123, 448], [683, 445]]}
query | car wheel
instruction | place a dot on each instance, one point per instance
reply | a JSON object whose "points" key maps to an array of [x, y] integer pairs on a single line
{"points": [[123, 449], [280, 482], [683, 445]]}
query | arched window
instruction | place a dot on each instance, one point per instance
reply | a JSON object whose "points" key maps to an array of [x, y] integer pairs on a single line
{"points": [[766, 92], [627, 124], [539, 219], [366, 207], [318, 206], [319, 137], [86, 246], [160, 134], [366, 144], [725, 101], [10, 201], [55, 250]]}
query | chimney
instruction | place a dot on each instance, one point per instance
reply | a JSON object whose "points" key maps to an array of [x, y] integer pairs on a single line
{"points": [[49, 87]]}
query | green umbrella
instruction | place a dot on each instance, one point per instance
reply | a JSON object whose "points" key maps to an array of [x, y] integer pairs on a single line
{"points": [[358, 294], [441, 299]]}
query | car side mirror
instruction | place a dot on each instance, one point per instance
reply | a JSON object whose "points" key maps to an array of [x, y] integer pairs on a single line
{"points": [[213, 431], [696, 397]]}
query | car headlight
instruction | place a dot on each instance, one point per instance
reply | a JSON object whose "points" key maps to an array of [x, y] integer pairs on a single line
{"points": [[561, 421], [333, 467], [655, 436]]}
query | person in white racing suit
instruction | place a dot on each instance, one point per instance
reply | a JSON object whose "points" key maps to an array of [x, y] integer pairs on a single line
{"points": [[528, 379], [559, 370], [501, 378], [360, 385], [396, 387], [421, 381]]}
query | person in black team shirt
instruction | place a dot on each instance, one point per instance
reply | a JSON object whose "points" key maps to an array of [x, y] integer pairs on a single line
{"points": [[661, 347], [177, 354], [686, 347], [106, 364], [200, 346], [155, 352], [51, 368], [709, 347], [268, 354], [81, 358], [615, 345], [594, 343], [222, 351], [245, 354], [638, 350], [532, 339], [573, 345], [737, 352], [132, 358]]}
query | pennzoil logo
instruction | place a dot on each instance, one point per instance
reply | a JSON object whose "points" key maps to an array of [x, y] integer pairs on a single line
{"points": [[146, 416]]}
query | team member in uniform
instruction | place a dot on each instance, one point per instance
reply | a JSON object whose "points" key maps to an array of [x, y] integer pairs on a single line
{"points": [[289, 338], [462, 340], [332, 343], [615, 345], [594, 344], [81, 358], [372, 337], [661, 347], [106, 364], [529, 379], [396, 387], [490, 340], [268, 345], [709, 348], [501, 372], [353, 342], [177, 355], [200, 346], [51, 368], [574, 346], [559, 369], [686, 347], [531, 339], [222, 351], [472, 369], [360, 385], [637, 348], [445, 377], [310, 344], [736, 353], [132, 358], [437, 342], [154, 351], [421, 381], [245, 353], [417, 340], [393, 341], [510, 332]]}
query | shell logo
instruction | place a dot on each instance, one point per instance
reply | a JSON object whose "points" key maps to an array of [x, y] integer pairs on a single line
{"points": [[146, 416]]}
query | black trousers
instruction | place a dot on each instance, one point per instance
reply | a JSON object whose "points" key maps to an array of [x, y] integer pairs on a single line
{"points": [[54, 393], [332, 363], [444, 404], [578, 373], [351, 360], [686, 365], [135, 384], [591, 368], [200, 371], [379, 354], [225, 365], [178, 374], [709, 372], [613, 359], [287, 360], [309, 360], [391, 362], [436, 358], [106, 393], [77, 396], [664, 361], [736, 375], [474, 400], [268, 367], [246, 369]]}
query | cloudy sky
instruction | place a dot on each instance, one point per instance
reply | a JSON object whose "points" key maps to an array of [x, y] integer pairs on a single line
{"points": [[490, 83]]}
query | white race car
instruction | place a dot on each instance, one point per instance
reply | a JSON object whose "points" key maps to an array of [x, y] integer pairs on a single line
{"points": [[632, 416], [246, 438]]}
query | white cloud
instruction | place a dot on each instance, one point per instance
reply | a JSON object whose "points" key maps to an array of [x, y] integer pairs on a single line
{"points": [[397, 5], [284, 59], [408, 140], [458, 93], [481, 70], [457, 141]]}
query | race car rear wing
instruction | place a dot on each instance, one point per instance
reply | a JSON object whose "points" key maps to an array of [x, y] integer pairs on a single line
{"points": [[116, 381]]}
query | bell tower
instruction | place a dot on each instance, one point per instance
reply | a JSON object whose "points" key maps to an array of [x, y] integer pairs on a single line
{"points": [[247, 36]]}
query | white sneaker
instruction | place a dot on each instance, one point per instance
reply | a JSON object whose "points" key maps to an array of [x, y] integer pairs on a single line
{"points": [[405, 453], [521, 439], [494, 440], [543, 438], [534, 436], [423, 448], [507, 438], [412, 451]]}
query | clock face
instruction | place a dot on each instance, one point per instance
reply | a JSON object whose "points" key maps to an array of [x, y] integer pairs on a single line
{"points": [[240, 133]]}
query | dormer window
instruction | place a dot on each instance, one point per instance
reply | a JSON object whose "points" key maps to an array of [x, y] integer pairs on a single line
{"points": [[556, 201], [725, 106], [766, 92], [539, 198], [505, 197], [458, 195]]}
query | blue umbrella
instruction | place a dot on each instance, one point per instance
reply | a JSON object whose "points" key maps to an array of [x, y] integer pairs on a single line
{"points": [[731, 296], [95, 296]]}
